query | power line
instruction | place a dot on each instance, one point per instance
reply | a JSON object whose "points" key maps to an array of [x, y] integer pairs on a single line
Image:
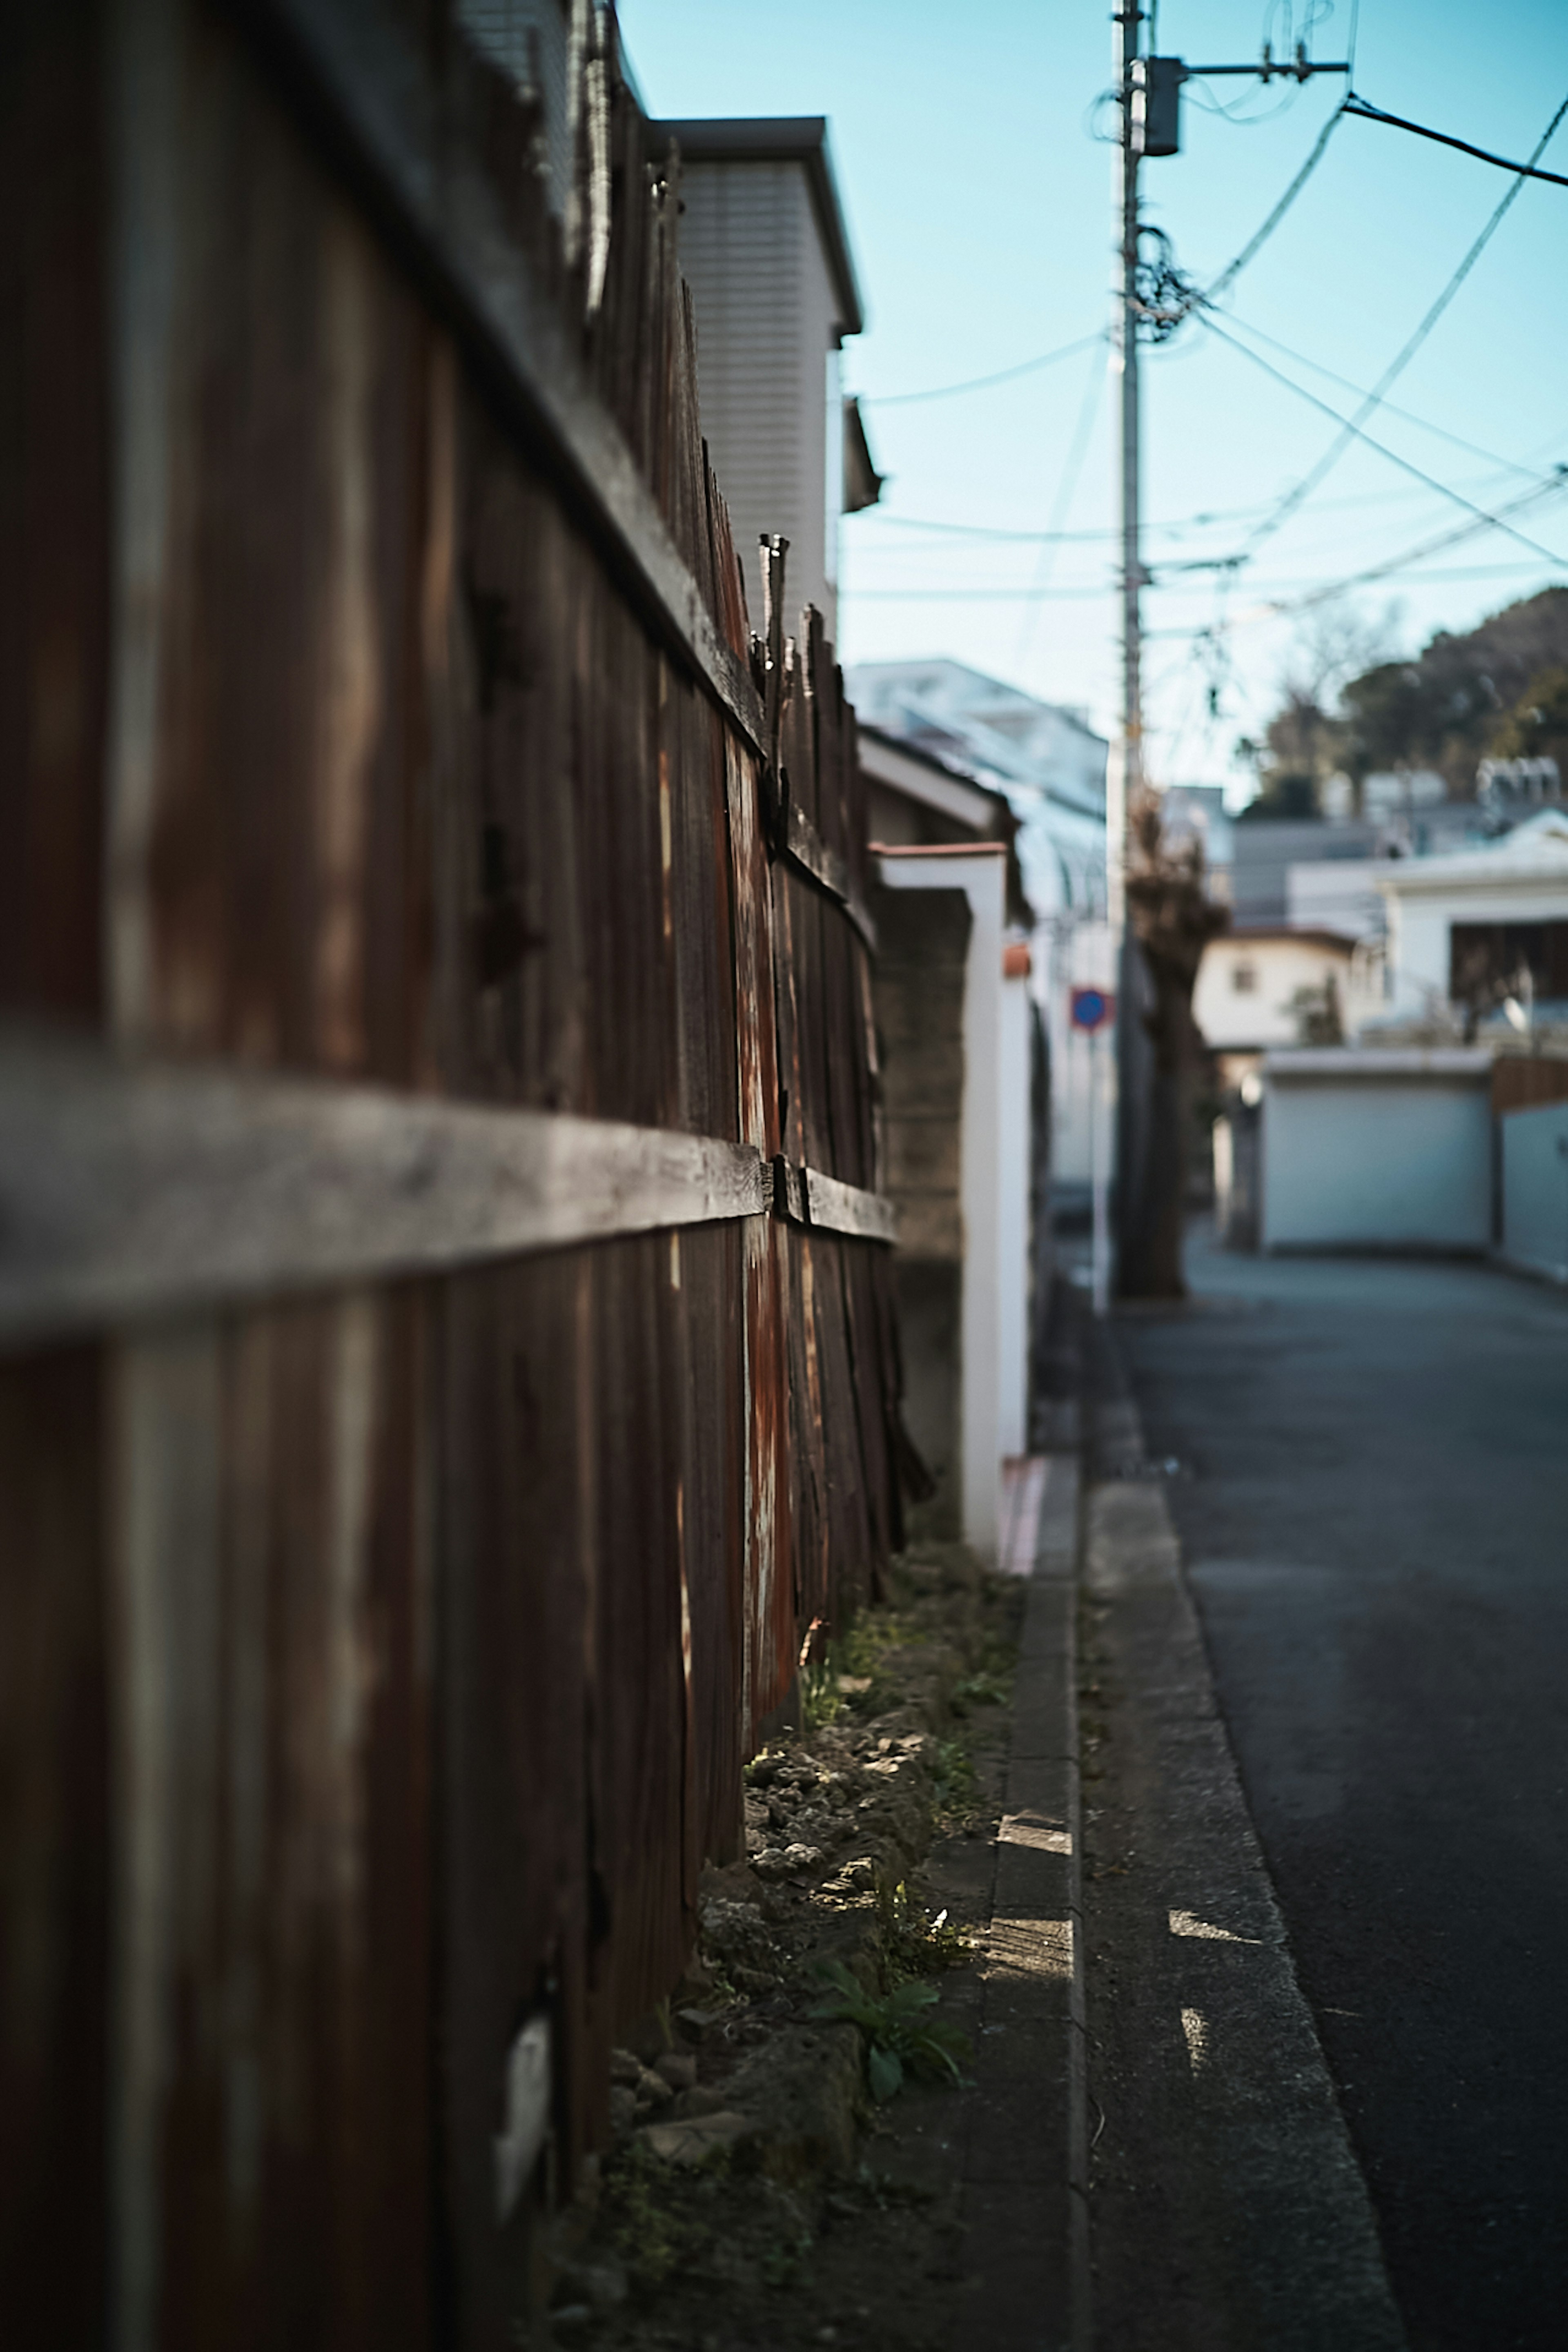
{"points": [[1422, 424], [1410, 555], [1062, 503], [1210, 518], [1029, 538], [1350, 427], [980, 383], [1261, 237], [1316, 590], [1259, 615], [1351, 430], [1063, 538], [1359, 106]]}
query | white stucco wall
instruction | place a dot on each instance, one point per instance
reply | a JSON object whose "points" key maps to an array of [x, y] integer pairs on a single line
{"points": [[1013, 1212], [987, 1181], [1389, 1149]]}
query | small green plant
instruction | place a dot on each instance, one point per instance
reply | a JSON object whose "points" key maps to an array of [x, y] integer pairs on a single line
{"points": [[651, 2236], [954, 1776], [912, 1945], [845, 1672], [899, 2037], [977, 1690], [821, 1700], [785, 2260]]}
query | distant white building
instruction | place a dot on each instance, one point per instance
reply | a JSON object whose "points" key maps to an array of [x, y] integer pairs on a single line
{"points": [[765, 252], [1256, 982], [1049, 765], [1400, 792], [1337, 894], [1047, 761], [1479, 922]]}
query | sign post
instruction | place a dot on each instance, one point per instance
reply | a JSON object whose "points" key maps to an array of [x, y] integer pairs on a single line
{"points": [[1094, 1012]]}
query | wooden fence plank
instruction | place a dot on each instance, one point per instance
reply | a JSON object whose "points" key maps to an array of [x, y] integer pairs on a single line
{"points": [[369, 81]]}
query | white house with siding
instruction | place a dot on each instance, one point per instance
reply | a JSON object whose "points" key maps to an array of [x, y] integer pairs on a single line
{"points": [[765, 252], [1483, 916]]}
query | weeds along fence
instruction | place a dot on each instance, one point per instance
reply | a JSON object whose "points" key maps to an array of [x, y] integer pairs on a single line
{"points": [[448, 1360]]}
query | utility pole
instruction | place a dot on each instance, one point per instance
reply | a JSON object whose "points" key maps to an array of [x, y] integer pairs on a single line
{"points": [[1148, 93], [1124, 779], [1127, 773]]}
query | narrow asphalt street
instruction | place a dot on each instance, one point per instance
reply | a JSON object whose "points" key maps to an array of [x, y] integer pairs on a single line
{"points": [[1370, 1483]]}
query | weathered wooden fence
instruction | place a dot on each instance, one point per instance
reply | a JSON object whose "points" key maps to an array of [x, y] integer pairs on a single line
{"points": [[448, 1360]]}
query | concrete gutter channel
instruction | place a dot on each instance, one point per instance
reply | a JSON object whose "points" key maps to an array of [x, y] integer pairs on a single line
{"points": [[1156, 2160]]}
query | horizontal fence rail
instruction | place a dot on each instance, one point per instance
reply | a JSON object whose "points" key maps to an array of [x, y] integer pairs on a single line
{"points": [[129, 1190]]}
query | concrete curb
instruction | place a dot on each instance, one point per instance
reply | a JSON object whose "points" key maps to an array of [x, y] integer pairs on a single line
{"points": [[1025, 2160], [1229, 2209]]}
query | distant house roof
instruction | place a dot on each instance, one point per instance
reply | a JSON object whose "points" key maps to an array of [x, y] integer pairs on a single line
{"points": [[780, 138], [1534, 852], [1309, 935], [908, 768], [954, 797]]}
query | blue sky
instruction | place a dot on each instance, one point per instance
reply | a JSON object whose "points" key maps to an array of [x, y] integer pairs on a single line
{"points": [[979, 204]]}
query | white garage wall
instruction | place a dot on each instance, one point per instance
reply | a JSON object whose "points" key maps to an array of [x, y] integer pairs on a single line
{"points": [[1535, 1189], [1377, 1149]]}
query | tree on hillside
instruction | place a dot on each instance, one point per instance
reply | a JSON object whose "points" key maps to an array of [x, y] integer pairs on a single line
{"points": [[1304, 742], [1537, 725], [1496, 689]]}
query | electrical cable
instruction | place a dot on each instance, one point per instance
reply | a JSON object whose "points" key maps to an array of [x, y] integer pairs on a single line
{"points": [[981, 383], [1061, 504], [1368, 113], [1209, 649], [1351, 430], [1427, 547], [1350, 427], [1233, 269], [1029, 538], [1209, 520], [1422, 424], [1210, 104], [1272, 591]]}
